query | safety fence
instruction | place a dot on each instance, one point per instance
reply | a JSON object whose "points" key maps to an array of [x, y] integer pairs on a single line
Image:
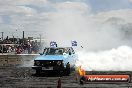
{"points": [[15, 60]]}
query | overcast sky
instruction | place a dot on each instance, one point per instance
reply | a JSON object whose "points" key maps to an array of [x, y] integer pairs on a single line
{"points": [[33, 15]]}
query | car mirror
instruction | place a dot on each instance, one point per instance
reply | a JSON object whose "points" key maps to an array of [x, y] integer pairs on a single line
{"points": [[41, 53]]}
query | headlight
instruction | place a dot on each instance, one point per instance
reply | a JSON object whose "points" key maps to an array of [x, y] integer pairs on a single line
{"points": [[37, 62], [58, 62], [62, 64]]}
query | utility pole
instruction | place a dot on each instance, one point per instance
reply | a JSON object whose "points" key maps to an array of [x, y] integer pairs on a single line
{"points": [[40, 39], [23, 37], [2, 35], [13, 38], [2, 41]]}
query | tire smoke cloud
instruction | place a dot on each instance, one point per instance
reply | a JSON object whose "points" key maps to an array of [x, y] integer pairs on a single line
{"points": [[105, 36], [116, 59]]}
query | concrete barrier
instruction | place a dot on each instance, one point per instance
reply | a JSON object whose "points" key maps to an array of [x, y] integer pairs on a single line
{"points": [[14, 60], [3, 60]]}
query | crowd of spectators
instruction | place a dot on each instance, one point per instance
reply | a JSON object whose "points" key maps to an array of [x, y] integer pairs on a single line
{"points": [[28, 48], [18, 47]]}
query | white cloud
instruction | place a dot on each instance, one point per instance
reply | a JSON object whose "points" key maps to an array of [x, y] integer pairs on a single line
{"points": [[126, 14], [38, 3], [73, 6], [15, 10], [27, 10], [130, 0], [24, 2]]}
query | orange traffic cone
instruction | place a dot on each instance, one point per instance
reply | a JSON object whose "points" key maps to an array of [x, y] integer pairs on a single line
{"points": [[59, 83]]}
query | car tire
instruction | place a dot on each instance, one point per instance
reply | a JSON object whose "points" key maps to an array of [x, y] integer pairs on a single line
{"points": [[68, 70]]}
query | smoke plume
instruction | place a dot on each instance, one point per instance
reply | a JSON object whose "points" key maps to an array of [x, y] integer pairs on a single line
{"points": [[105, 36]]}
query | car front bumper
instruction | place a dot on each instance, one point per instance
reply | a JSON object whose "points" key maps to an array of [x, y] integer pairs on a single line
{"points": [[48, 68]]}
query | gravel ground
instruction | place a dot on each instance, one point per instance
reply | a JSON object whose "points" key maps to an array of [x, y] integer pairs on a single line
{"points": [[23, 77]]}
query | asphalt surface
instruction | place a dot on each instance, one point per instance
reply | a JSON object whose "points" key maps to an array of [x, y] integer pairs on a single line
{"points": [[24, 77]]}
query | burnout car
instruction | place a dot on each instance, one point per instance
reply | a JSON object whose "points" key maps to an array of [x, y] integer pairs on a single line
{"points": [[59, 59]]}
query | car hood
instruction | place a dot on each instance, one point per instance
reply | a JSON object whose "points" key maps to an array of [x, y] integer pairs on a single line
{"points": [[51, 57]]}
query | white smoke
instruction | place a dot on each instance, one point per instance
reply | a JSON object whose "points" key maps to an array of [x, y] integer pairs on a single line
{"points": [[27, 60], [103, 35], [28, 63], [118, 59]]}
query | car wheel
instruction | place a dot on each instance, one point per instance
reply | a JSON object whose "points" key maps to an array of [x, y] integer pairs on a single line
{"points": [[68, 70]]}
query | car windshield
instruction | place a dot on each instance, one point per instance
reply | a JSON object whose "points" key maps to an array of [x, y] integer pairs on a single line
{"points": [[54, 51]]}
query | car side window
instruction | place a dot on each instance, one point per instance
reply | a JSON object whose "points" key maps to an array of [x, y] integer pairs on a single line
{"points": [[45, 50]]}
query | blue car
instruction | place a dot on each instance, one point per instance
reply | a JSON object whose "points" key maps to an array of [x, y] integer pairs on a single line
{"points": [[59, 59]]}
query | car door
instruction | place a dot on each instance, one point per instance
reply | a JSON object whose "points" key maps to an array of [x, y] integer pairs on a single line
{"points": [[72, 57]]}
